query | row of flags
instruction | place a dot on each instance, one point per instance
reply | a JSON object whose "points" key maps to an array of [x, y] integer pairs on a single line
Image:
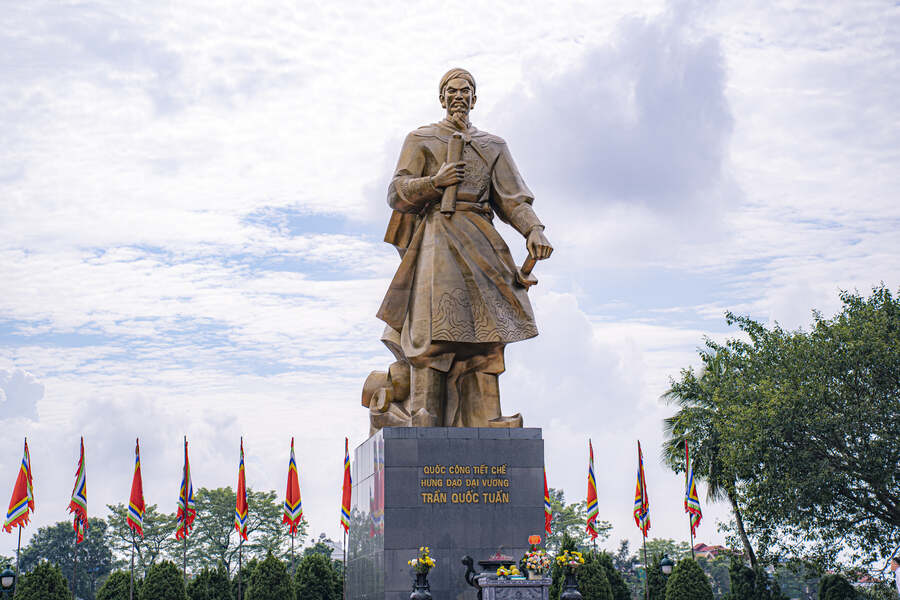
{"points": [[641, 500], [21, 504]]}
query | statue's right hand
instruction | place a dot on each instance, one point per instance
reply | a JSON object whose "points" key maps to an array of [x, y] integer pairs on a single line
{"points": [[449, 174]]}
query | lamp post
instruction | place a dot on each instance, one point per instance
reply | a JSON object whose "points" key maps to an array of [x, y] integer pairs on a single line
{"points": [[7, 583], [666, 564]]}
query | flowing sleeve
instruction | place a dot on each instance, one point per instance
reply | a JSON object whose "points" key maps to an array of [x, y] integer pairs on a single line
{"points": [[510, 196], [409, 191]]}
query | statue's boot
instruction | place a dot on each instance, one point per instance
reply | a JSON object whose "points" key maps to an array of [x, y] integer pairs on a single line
{"points": [[426, 396]]}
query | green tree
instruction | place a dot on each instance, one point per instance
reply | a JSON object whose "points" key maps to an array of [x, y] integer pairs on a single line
{"points": [[241, 581], [157, 543], [44, 582], [571, 520], [164, 582], [751, 584], [211, 584], [836, 587], [703, 420], [815, 424], [117, 587], [56, 544], [617, 583], [688, 582], [656, 581], [317, 579], [270, 581], [216, 539], [716, 568], [627, 565], [592, 581]]}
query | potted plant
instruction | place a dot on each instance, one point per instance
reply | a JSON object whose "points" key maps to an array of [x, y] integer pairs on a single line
{"points": [[537, 562], [570, 561], [422, 564]]}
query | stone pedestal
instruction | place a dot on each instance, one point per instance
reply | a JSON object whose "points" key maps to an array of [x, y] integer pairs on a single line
{"points": [[459, 491], [494, 588]]}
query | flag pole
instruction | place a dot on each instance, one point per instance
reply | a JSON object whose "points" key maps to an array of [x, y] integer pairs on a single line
{"points": [[293, 568], [185, 483], [646, 571], [131, 583], [18, 546], [75, 567], [344, 569], [240, 565]]}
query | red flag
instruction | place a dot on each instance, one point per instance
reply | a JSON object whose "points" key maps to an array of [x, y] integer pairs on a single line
{"points": [[21, 504], [135, 518], [241, 511], [78, 504], [548, 513], [345, 499], [592, 508], [293, 507], [186, 510], [641, 500]]}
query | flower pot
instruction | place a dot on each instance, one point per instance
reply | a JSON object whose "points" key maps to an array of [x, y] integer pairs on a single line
{"points": [[570, 588], [532, 575], [421, 589]]}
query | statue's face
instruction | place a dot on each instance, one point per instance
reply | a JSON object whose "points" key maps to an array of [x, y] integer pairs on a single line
{"points": [[458, 97]]}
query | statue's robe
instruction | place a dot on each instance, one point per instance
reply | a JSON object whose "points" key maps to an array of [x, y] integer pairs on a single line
{"points": [[455, 293]]}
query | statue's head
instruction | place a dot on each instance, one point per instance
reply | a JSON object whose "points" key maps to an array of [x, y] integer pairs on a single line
{"points": [[457, 93]]}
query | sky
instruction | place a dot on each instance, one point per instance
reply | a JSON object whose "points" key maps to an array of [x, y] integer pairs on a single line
{"points": [[192, 204]]}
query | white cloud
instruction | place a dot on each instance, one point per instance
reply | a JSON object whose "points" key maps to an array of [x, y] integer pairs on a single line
{"points": [[191, 207]]}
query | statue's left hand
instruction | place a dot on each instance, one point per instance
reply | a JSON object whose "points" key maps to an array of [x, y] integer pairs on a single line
{"points": [[538, 245]]}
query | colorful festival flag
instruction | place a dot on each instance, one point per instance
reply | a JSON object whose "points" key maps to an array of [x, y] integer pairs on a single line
{"points": [[345, 498], [135, 518], [691, 499], [78, 504], [641, 501], [186, 506], [293, 506], [592, 509], [241, 511], [21, 504], [548, 513]]}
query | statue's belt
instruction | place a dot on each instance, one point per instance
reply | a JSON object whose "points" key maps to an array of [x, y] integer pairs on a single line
{"points": [[479, 207]]}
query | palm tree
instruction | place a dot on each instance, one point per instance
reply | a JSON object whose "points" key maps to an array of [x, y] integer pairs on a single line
{"points": [[699, 420]]}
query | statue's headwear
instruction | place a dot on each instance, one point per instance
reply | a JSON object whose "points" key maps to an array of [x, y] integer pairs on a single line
{"points": [[454, 73]]}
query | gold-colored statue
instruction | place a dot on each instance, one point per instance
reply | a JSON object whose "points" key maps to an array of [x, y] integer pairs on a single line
{"points": [[457, 298]]}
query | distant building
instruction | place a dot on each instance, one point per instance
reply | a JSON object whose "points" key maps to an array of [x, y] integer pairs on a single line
{"points": [[710, 552]]}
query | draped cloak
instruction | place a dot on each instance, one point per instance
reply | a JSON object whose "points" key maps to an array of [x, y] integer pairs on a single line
{"points": [[456, 285]]}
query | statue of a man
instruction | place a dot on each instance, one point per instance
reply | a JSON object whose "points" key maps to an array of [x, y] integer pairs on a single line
{"points": [[454, 302]]}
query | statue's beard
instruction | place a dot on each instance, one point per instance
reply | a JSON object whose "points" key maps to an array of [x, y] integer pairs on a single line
{"points": [[459, 117]]}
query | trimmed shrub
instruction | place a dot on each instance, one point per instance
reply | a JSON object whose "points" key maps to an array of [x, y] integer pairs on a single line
{"points": [[116, 587], [164, 582], [688, 582], [747, 584], [836, 587], [244, 579], [592, 582], [656, 581], [44, 582], [317, 579], [210, 585], [617, 583], [270, 581]]}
